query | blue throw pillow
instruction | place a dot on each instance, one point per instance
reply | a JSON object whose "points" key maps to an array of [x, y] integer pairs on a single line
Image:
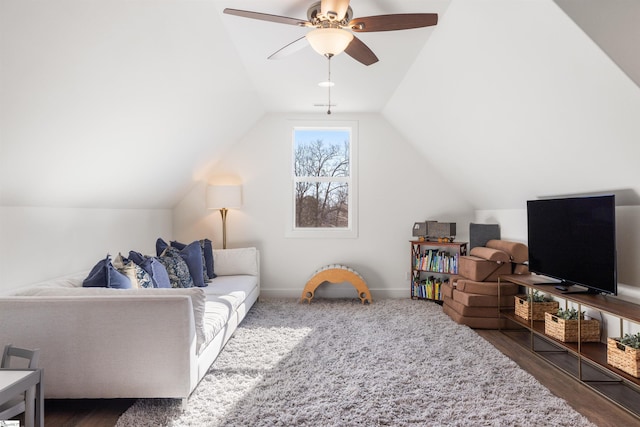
{"points": [[177, 268], [206, 250], [105, 275], [154, 267], [161, 245], [192, 255]]}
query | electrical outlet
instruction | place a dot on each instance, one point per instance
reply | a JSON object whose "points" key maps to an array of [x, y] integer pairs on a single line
{"points": [[407, 275]]}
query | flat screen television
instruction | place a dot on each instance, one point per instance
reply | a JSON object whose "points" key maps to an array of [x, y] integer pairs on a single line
{"points": [[573, 240]]}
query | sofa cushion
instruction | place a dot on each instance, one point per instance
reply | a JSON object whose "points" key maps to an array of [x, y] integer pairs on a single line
{"points": [[218, 311], [105, 275], [69, 281], [239, 286], [177, 268], [229, 262]]}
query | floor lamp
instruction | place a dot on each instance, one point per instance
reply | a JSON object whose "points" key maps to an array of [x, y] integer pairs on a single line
{"points": [[224, 197]]}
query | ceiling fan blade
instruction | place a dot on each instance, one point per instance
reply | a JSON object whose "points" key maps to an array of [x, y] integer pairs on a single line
{"points": [[292, 47], [400, 21], [361, 52], [267, 17]]}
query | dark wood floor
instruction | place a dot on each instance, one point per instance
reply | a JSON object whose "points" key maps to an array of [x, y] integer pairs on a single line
{"points": [[596, 408], [105, 413]]}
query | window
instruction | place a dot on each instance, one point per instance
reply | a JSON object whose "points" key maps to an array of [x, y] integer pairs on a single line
{"points": [[323, 178]]}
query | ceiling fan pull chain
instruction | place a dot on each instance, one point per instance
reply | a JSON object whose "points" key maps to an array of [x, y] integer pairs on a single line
{"points": [[329, 56]]}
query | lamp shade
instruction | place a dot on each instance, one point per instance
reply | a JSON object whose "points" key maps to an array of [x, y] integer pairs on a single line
{"points": [[329, 41], [224, 196]]}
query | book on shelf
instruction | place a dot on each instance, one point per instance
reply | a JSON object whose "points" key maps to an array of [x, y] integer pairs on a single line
{"points": [[437, 261], [430, 288]]}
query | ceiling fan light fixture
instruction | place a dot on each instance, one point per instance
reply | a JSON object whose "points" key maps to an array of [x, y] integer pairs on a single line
{"points": [[329, 41]]}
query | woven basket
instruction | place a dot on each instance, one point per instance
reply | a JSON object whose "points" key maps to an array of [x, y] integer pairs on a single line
{"points": [[623, 357], [539, 308], [567, 330]]}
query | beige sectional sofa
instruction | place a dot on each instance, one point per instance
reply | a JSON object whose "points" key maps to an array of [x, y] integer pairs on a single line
{"points": [[135, 343]]}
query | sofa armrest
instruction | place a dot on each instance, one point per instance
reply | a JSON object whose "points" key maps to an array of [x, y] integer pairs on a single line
{"points": [[107, 347]]}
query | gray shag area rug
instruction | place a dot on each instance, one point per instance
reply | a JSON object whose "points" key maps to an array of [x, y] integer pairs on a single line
{"points": [[340, 363]]}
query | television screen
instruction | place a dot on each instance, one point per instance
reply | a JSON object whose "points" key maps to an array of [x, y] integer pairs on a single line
{"points": [[573, 240]]}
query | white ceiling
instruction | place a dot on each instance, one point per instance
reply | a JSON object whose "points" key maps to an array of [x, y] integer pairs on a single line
{"points": [[291, 83], [100, 96], [127, 103]]}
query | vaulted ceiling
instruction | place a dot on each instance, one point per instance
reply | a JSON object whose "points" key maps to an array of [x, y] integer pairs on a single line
{"points": [[291, 83], [125, 103]]}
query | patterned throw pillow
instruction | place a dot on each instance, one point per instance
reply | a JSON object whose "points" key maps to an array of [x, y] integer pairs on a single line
{"points": [[192, 255], [153, 267], [139, 278], [206, 250], [177, 268]]}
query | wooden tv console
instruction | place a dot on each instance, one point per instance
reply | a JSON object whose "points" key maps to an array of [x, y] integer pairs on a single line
{"points": [[584, 361]]}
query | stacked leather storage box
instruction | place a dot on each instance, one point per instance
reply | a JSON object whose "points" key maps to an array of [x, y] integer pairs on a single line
{"points": [[471, 298]]}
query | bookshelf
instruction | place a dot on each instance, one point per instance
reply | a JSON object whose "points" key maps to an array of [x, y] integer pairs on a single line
{"points": [[585, 361], [433, 263]]}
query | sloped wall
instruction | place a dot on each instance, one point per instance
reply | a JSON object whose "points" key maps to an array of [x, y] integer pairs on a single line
{"points": [[115, 103], [523, 102], [529, 106], [397, 186], [38, 243]]}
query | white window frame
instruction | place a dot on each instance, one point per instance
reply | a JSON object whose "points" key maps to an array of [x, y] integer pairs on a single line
{"points": [[350, 232]]}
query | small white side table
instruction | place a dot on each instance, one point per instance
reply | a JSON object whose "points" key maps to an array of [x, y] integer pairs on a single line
{"points": [[16, 381]]}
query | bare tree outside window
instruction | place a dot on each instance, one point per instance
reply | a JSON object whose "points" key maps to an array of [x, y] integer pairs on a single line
{"points": [[322, 178]]}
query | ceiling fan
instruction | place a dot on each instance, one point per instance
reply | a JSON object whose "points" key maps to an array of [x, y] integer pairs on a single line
{"points": [[334, 25]]}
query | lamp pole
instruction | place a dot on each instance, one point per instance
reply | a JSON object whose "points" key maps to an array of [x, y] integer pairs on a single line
{"points": [[223, 214]]}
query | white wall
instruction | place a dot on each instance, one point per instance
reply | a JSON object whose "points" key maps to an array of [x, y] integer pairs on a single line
{"points": [[396, 188], [39, 243], [112, 103]]}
